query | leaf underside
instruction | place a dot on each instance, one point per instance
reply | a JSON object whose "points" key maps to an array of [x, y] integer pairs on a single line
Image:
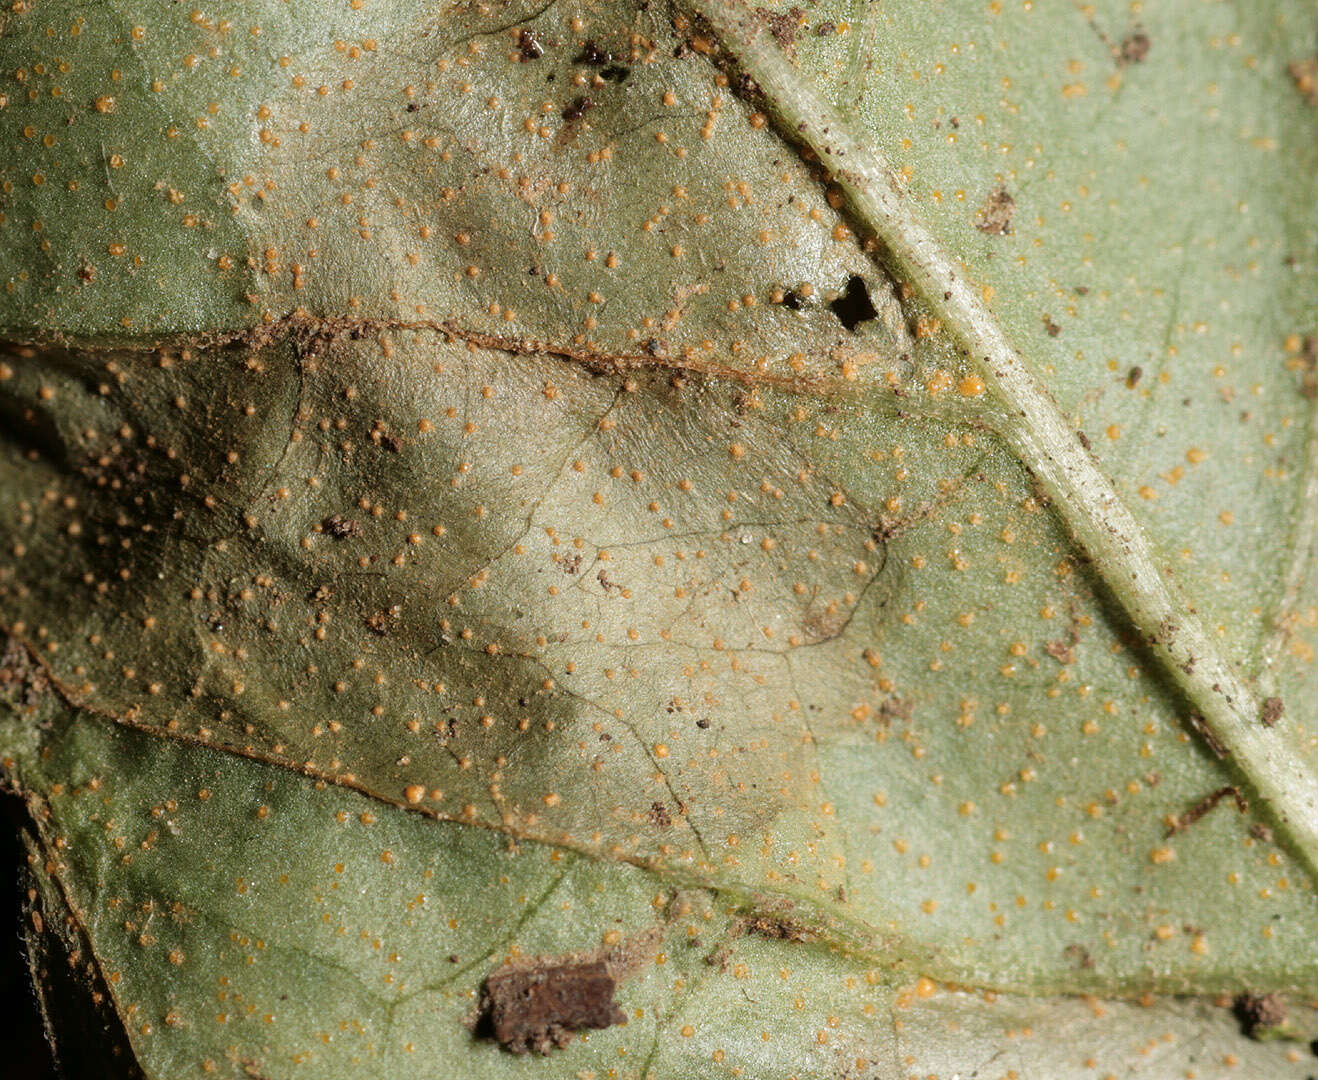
{"points": [[469, 497]]}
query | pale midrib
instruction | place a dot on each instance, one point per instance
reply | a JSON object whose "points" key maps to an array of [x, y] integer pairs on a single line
{"points": [[1030, 422]]}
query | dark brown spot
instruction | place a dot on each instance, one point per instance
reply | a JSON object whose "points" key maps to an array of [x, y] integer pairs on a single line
{"points": [[576, 109], [659, 815], [1051, 327], [1306, 363], [539, 1008], [1135, 48], [340, 527], [1133, 377], [593, 55], [1258, 1013], [528, 46]]}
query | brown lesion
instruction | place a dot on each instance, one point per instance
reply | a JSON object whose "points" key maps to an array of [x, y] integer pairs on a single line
{"points": [[1133, 48], [895, 708], [312, 334], [1063, 649], [824, 623]]}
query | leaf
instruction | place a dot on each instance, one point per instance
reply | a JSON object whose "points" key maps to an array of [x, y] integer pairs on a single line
{"points": [[478, 451]]}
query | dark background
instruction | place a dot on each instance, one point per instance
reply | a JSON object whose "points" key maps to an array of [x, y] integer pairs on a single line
{"points": [[26, 1056]]}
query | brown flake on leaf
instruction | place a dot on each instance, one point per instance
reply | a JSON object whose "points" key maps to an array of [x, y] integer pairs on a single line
{"points": [[778, 928], [784, 26], [576, 109], [1258, 1013], [340, 527], [1206, 733], [1271, 711], [1182, 822], [592, 54], [995, 215], [538, 1003], [528, 46], [1305, 74], [539, 1008]]}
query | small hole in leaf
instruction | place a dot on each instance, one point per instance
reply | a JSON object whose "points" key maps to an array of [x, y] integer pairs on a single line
{"points": [[854, 306]]}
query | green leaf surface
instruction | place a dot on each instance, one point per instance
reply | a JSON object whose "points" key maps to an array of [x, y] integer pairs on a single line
{"points": [[495, 455]]}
